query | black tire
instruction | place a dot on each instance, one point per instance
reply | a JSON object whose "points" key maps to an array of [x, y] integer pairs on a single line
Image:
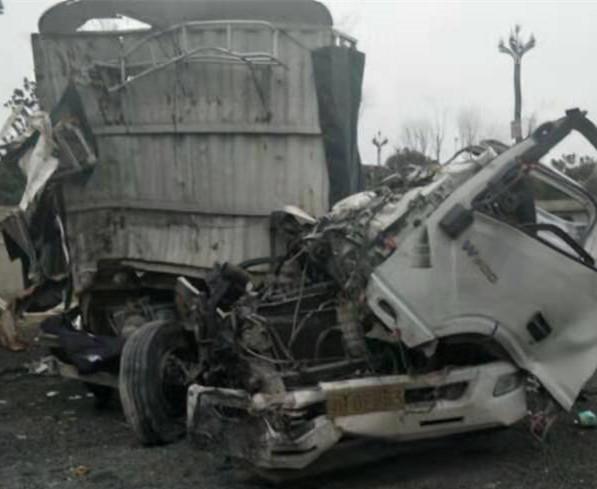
{"points": [[154, 406]]}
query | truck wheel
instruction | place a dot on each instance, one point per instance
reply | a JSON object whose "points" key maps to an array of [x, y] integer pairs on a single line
{"points": [[153, 381]]}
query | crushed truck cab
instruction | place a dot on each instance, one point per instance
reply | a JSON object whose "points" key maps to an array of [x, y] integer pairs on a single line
{"points": [[410, 312]]}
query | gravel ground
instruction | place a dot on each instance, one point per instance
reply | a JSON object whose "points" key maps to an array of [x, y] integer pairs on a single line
{"points": [[64, 441]]}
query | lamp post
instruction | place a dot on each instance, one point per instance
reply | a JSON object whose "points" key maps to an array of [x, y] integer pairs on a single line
{"points": [[379, 142], [516, 49]]}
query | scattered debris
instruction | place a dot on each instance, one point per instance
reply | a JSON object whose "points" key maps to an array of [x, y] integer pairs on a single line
{"points": [[586, 419], [51, 394], [80, 471], [540, 424], [43, 366]]}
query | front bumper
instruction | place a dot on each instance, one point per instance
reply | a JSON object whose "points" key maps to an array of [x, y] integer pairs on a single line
{"points": [[292, 430]]}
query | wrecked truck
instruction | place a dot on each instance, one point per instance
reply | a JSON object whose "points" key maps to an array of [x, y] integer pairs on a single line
{"points": [[168, 133], [403, 314]]}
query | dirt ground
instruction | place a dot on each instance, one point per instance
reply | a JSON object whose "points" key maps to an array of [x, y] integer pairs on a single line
{"points": [[64, 441]]}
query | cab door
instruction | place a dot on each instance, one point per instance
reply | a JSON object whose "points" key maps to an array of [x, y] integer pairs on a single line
{"points": [[518, 274]]}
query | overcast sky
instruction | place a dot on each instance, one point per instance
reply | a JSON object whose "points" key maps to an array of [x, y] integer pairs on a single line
{"points": [[424, 57]]}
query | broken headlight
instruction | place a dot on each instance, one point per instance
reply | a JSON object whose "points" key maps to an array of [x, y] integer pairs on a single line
{"points": [[507, 383]]}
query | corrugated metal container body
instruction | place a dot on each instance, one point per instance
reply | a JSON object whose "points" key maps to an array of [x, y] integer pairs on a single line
{"points": [[224, 174], [183, 241], [218, 94], [215, 146]]}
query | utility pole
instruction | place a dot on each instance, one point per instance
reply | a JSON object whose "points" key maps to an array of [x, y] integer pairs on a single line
{"points": [[517, 48], [1, 8], [379, 142]]}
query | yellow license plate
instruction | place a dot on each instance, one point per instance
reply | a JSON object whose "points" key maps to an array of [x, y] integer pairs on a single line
{"points": [[363, 400]]}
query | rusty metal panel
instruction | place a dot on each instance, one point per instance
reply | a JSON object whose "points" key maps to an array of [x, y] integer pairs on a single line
{"points": [[179, 241], [222, 174], [58, 58], [209, 96], [194, 156], [191, 92]]}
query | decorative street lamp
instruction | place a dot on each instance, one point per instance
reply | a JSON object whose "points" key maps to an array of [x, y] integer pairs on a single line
{"points": [[379, 142], [517, 48]]}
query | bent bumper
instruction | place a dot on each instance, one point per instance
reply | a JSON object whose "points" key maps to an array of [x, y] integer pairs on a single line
{"points": [[292, 430]]}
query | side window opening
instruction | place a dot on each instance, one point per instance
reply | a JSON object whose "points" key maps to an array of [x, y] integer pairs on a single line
{"points": [[562, 197], [535, 198], [557, 207], [510, 199]]}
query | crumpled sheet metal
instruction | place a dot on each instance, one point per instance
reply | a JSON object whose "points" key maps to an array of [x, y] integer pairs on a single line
{"points": [[38, 164], [251, 436], [493, 279]]}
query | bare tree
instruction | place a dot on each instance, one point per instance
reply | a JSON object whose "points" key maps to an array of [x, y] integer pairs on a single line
{"points": [[417, 135], [22, 104], [438, 131], [469, 126]]}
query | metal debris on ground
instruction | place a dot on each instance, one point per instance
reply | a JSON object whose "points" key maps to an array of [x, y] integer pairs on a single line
{"points": [[586, 419], [43, 366], [80, 471]]}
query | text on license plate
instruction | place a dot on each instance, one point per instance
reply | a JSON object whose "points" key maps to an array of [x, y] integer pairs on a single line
{"points": [[363, 400]]}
